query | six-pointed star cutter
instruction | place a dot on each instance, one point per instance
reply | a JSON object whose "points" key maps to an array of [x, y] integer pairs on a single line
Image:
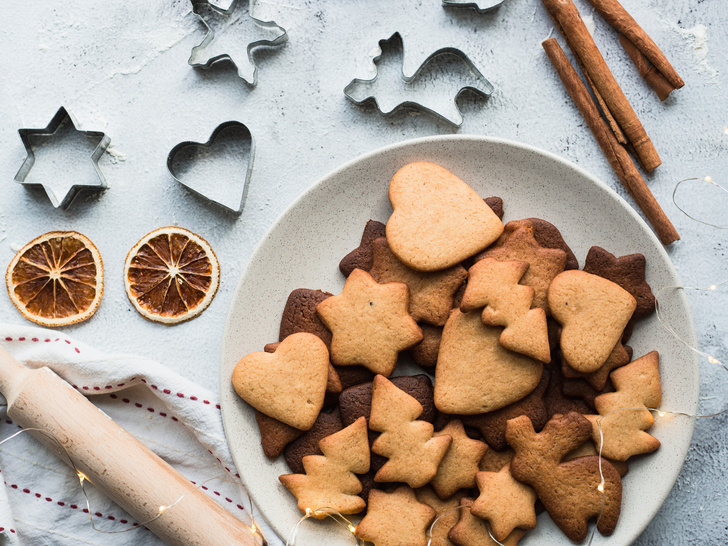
{"points": [[58, 198]]}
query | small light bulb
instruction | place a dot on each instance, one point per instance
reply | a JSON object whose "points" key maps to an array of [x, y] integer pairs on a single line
{"points": [[162, 508], [713, 360], [81, 476], [600, 488], [352, 529], [708, 179], [725, 130], [712, 287], [661, 413]]}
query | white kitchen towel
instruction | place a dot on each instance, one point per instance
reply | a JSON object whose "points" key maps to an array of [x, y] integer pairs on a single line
{"points": [[42, 501]]}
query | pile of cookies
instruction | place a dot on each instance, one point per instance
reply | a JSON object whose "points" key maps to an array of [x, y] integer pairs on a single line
{"points": [[532, 377]]}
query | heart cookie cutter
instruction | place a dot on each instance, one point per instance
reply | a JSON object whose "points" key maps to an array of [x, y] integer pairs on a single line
{"points": [[422, 98], [217, 20], [205, 151], [60, 196]]}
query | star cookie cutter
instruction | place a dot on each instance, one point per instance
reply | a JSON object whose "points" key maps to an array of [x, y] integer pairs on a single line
{"points": [[223, 135], [481, 6], [416, 91], [215, 46], [61, 195]]}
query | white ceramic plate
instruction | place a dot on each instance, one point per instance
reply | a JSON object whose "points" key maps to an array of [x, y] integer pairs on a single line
{"points": [[303, 249]]}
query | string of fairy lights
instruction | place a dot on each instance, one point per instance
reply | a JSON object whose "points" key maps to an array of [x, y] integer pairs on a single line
{"points": [[341, 520]]}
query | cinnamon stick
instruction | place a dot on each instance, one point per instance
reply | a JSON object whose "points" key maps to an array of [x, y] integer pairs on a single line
{"points": [[582, 44], [624, 23], [616, 154], [647, 70]]}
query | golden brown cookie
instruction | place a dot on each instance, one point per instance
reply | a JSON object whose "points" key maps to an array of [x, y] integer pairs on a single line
{"points": [[431, 293], [412, 451], [593, 312], [446, 514], [395, 519], [473, 531], [437, 219], [573, 491], [493, 284], [288, 385], [619, 356], [370, 323], [494, 460], [460, 464], [504, 502], [622, 424], [518, 243], [474, 373], [330, 480]]}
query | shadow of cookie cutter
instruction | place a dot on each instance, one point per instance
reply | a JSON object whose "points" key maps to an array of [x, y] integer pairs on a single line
{"points": [[483, 88], [481, 6], [198, 58], [210, 142], [61, 116]]}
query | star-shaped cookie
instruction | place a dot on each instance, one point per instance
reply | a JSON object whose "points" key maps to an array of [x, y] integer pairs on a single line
{"points": [[473, 531], [370, 323], [505, 502], [431, 293], [458, 468], [446, 512], [627, 271], [545, 263], [395, 519]]}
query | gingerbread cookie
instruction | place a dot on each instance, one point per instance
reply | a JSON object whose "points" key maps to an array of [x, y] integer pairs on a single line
{"points": [[492, 425], [299, 315], [328, 423], [620, 420], [437, 219], [274, 435], [573, 491], [425, 352], [370, 323], [627, 271], [496, 205], [470, 530], [430, 293], [593, 312], [548, 236], [474, 373], [412, 451], [446, 514], [288, 385], [330, 480], [458, 468], [494, 460], [356, 401], [619, 356], [395, 519], [361, 257], [504, 502], [519, 243], [493, 284]]}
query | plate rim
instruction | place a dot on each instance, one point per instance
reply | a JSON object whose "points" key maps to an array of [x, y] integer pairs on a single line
{"points": [[690, 337]]}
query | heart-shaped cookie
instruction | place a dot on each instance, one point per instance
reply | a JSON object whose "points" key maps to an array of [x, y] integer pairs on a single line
{"points": [[474, 373], [288, 385], [593, 312], [438, 220]]}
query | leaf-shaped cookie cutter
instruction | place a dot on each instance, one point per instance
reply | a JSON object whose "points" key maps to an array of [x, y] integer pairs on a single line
{"points": [[479, 84], [238, 207], [481, 5]]}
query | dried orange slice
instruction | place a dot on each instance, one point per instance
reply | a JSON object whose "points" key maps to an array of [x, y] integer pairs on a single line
{"points": [[56, 279], [171, 275]]}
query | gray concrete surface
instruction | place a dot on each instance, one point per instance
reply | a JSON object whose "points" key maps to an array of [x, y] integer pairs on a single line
{"points": [[122, 68]]}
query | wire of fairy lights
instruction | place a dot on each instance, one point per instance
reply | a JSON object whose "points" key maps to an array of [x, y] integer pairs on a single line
{"points": [[254, 528]]}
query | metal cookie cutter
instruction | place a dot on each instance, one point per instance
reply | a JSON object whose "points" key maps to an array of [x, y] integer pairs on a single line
{"points": [[218, 42], [480, 5], [433, 88], [225, 140], [61, 195]]}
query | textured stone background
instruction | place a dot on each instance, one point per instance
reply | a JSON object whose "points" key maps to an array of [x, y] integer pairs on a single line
{"points": [[122, 68]]}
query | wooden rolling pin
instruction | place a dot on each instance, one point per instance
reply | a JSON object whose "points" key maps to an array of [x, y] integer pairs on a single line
{"points": [[115, 462]]}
